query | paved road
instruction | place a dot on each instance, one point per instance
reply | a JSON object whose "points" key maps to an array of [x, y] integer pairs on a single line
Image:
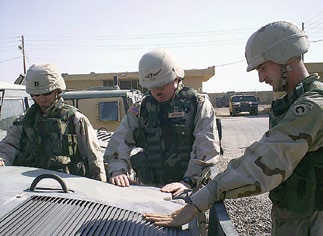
{"points": [[241, 131], [250, 215]]}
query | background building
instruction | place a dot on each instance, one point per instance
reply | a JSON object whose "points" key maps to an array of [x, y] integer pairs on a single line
{"points": [[193, 78], [130, 80]]}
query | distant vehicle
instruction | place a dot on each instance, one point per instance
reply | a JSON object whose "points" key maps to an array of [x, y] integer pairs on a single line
{"points": [[224, 100], [104, 106], [243, 103], [13, 102]]}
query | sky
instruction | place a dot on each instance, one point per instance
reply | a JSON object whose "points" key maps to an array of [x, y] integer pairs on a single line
{"points": [[105, 36]]}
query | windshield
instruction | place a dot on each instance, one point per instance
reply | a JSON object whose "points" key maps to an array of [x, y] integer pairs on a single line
{"points": [[12, 106], [244, 99], [249, 98]]}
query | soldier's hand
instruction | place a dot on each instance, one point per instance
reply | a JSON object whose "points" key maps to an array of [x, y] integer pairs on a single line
{"points": [[175, 188], [119, 179], [176, 219]]}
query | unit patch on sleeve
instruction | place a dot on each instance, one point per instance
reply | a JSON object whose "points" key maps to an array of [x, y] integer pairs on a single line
{"points": [[300, 110]]}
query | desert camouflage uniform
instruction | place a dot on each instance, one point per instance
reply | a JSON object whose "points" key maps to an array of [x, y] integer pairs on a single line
{"points": [[204, 150], [86, 143], [293, 143], [191, 158]]}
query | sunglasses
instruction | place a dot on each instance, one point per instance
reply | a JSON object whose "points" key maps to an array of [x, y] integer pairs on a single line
{"points": [[44, 94], [166, 86]]}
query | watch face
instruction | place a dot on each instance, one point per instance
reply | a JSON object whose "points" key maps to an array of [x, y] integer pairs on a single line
{"points": [[187, 179]]}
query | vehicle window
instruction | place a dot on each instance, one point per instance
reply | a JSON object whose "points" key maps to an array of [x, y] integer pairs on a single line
{"points": [[69, 102], [10, 109], [109, 111], [30, 102], [236, 99], [250, 98]]}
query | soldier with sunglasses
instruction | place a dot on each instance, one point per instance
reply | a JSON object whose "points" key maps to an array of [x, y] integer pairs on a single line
{"points": [[51, 134]]}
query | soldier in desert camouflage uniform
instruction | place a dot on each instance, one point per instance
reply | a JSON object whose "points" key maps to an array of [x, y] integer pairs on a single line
{"points": [[51, 134], [173, 125], [288, 159]]}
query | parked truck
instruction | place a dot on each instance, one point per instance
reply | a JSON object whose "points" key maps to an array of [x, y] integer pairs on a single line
{"points": [[104, 106], [243, 103]]}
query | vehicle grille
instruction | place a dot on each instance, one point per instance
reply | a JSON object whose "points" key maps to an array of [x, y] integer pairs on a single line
{"points": [[44, 215], [104, 136]]}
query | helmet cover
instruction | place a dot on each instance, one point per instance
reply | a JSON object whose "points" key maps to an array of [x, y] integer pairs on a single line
{"points": [[279, 42], [158, 68], [43, 78]]}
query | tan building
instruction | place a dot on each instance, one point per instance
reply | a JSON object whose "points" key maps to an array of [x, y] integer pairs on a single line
{"points": [[129, 80], [315, 67], [193, 78]]}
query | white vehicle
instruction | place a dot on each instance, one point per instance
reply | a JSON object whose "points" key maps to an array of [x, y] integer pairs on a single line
{"points": [[43, 202], [13, 102]]}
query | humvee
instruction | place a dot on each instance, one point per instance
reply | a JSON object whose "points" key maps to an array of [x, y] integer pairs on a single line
{"points": [[37, 201], [104, 106], [224, 100], [43, 202], [243, 103]]}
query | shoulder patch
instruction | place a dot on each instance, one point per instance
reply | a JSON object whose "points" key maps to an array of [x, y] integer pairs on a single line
{"points": [[300, 110], [200, 98]]}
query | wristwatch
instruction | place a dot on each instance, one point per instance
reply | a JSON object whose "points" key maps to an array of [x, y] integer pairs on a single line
{"points": [[189, 180]]}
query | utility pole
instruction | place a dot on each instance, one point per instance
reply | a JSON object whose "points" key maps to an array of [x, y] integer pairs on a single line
{"points": [[22, 48]]}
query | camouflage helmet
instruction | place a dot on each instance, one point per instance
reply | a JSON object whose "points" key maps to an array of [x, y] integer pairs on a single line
{"points": [[279, 42], [158, 68], [43, 78]]}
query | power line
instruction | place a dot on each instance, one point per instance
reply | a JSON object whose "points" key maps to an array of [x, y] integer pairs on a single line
{"points": [[316, 41], [15, 37], [230, 63], [207, 38], [10, 59], [318, 14], [142, 36]]}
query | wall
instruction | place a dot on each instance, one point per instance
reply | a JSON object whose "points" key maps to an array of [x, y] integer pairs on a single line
{"points": [[130, 80], [265, 97]]}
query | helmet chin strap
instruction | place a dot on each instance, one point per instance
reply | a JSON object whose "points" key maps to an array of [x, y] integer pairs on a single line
{"points": [[285, 69], [179, 86]]}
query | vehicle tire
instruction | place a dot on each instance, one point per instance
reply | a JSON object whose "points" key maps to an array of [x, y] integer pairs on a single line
{"points": [[255, 112]]}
